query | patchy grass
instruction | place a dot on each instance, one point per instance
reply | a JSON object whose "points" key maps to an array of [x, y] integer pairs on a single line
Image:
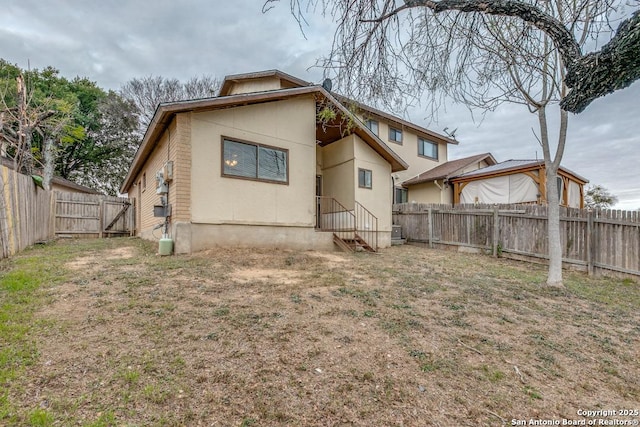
{"points": [[103, 333]]}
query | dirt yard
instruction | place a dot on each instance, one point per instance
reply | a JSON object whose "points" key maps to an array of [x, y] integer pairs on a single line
{"points": [[406, 337]]}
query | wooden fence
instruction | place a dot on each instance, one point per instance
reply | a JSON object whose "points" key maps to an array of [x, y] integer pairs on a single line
{"points": [[26, 212], [92, 215], [29, 214], [596, 241]]}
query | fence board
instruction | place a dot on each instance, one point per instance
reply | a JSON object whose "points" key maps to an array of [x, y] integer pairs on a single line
{"points": [[598, 241]]}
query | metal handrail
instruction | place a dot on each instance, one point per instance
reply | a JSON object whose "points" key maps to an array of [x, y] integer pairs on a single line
{"points": [[366, 225], [345, 223]]}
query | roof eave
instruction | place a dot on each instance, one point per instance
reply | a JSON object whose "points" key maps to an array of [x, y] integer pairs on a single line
{"points": [[399, 121], [231, 79], [472, 159]]}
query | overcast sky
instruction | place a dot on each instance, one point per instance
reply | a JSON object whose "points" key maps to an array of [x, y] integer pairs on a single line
{"points": [[113, 41]]}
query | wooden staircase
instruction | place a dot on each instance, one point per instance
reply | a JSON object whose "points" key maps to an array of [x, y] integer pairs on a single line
{"points": [[355, 244], [353, 229]]}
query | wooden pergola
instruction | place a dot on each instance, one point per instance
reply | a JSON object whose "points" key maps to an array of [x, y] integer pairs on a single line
{"points": [[536, 170]]}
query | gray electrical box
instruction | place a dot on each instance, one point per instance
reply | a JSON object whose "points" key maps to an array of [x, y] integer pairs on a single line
{"points": [[161, 211]]}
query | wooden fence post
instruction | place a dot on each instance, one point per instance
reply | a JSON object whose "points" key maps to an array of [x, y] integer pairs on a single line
{"points": [[496, 231], [430, 219], [590, 243], [101, 219]]}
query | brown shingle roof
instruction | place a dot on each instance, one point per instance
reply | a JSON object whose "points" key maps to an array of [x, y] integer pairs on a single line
{"points": [[448, 169]]}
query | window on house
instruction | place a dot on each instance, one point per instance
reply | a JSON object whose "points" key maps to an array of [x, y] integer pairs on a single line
{"points": [[401, 195], [364, 178], [427, 148], [395, 135], [254, 161], [372, 125]]}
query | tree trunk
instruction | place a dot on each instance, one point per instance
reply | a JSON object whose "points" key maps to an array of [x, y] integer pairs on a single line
{"points": [[49, 162], [554, 277]]}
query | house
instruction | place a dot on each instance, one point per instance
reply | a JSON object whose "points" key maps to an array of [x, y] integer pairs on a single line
{"points": [[516, 181], [433, 186], [271, 162], [61, 184], [421, 148]]}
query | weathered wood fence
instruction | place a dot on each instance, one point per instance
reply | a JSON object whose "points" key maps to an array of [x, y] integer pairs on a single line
{"points": [[26, 212], [92, 215], [595, 241], [29, 214]]}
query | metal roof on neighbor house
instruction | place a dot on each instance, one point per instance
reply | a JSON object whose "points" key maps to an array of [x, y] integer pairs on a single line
{"points": [[513, 165], [448, 169]]}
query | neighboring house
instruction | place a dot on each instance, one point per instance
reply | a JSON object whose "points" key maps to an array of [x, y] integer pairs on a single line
{"points": [[57, 183], [61, 184], [516, 181], [433, 186], [256, 167]]}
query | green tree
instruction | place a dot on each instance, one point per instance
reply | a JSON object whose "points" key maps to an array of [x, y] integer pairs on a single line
{"points": [[598, 197], [90, 136], [104, 163]]}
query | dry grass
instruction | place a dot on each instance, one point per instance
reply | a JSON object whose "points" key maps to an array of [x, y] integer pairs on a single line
{"points": [[235, 337]]}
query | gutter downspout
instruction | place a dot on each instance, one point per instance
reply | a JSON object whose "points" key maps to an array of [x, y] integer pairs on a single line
{"points": [[441, 188]]}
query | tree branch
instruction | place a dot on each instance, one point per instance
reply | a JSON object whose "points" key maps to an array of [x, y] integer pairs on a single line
{"points": [[562, 38], [614, 67]]}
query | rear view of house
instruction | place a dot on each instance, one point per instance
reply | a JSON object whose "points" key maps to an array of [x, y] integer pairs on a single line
{"points": [[271, 162]]}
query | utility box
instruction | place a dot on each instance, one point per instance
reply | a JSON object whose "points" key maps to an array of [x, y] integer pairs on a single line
{"points": [[161, 211], [396, 232]]}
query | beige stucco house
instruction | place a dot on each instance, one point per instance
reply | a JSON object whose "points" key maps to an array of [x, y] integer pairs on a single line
{"points": [[271, 162], [422, 149]]}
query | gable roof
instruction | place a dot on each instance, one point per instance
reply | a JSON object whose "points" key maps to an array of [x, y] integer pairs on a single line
{"points": [[449, 169], [166, 111], [514, 166], [288, 80]]}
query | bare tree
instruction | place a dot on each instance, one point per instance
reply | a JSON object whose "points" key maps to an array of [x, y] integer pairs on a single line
{"points": [[588, 76], [482, 53], [19, 124], [147, 92]]}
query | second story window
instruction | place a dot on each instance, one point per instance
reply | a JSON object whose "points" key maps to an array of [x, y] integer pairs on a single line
{"points": [[395, 135], [372, 125], [427, 148]]}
